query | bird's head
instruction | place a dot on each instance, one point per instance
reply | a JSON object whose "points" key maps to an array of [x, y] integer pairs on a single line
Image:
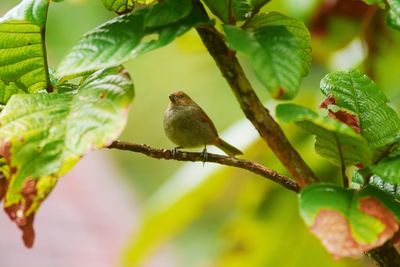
{"points": [[180, 98]]}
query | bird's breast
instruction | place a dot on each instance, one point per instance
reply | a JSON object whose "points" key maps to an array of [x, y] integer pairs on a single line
{"points": [[184, 127]]}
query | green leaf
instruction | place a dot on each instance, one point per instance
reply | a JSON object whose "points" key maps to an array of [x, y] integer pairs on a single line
{"points": [[393, 7], [289, 113], [119, 6], [119, 40], [387, 169], [279, 48], [349, 222], [355, 92], [43, 135], [381, 3], [22, 50], [167, 12], [221, 9], [393, 18], [387, 187], [335, 141], [241, 8], [257, 4], [358, 182]]}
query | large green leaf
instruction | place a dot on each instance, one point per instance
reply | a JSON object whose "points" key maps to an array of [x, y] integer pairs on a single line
{"points": [[356, 93], [279, 48], [23, 67], [349, 222], [119, 6], [43, 135], [120, 39], [335, 141]]}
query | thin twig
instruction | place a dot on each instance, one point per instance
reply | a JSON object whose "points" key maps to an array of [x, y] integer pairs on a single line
{"points": [[169, 154], [251, 105]]}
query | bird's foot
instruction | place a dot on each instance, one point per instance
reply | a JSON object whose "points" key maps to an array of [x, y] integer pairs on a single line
{"points": [[204, 154], [175, 150]]}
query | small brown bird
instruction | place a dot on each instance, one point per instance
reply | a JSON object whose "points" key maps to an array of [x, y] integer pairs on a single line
{"points": [[187, 125]]}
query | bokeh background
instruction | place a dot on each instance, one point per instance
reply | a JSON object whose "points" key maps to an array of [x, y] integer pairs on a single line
{"points": [[123, 209]]}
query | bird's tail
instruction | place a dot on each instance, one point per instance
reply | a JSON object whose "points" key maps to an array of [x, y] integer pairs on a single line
{"points": [[228, 148]]}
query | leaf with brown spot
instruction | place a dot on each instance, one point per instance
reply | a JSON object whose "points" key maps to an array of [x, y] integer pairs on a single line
{"points": [[349, 222], [44, 135], [346, 118], [4, 171], [357, 94], [328, 101], [335, 140]]}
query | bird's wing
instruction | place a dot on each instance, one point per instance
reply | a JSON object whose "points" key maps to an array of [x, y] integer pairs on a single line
{"points": [[204, 118]]}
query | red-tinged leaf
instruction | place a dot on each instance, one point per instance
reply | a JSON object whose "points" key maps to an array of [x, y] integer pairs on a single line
{"points": [[341, 115], [19, 213], [3, 186], [348, 222], [38, 149], [330, 100], [24, 223], [347, 118], [334, 230], [335, 141], [357, 94], [3, 178]]}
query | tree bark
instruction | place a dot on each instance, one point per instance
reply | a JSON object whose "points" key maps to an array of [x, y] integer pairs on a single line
{"points": [[385, 256]]}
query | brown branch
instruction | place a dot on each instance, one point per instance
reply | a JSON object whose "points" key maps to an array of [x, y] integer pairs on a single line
{"points": [[251, 105], [169, 154], [385, 256]]}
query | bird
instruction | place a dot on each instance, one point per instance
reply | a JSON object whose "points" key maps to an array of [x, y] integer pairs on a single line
{"points": [[187, 126]]}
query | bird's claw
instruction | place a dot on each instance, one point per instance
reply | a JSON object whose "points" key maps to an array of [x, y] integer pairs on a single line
{"points": [[175, 151], [204, 154]]}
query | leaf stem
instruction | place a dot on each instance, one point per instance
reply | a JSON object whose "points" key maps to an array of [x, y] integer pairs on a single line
{"points": [[49, 86], [231, 16], [169, 154]]}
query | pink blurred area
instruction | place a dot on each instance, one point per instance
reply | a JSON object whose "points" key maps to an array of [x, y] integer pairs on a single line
{"points": [[85, 222]]}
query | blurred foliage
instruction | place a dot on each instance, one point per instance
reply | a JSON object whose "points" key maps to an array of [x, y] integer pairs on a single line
{"points": [[230, 218]]}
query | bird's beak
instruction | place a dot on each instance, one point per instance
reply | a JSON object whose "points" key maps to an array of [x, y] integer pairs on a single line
{"points": [[172, 98]]}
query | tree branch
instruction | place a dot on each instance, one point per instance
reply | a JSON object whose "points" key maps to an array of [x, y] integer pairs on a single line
{"points": [[252, 107], [385, 256], [169, 154]]}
